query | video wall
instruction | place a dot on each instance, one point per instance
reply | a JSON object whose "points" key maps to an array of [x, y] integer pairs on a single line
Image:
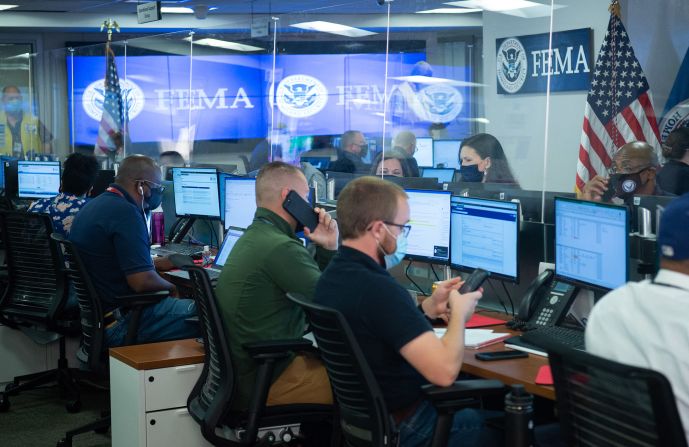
{"points": [[229, 97]]}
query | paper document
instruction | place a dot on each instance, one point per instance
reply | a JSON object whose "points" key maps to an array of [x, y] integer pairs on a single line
{"points": [[477, 338]]}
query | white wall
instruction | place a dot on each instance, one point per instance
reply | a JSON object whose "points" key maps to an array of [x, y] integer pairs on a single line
{"points": [[659, 33]]}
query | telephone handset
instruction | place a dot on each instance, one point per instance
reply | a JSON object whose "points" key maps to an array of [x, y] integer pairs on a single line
{"points": [[545, 303]]}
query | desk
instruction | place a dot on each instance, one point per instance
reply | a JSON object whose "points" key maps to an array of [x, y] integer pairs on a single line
{"points": [[149, 386], [517, 371]]}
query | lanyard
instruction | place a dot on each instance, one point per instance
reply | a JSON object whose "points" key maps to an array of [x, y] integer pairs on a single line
{"points": [[115, 191]]}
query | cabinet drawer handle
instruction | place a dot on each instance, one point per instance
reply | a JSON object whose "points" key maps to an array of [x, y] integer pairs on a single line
{"points": [[185, 368], [182, 412]]}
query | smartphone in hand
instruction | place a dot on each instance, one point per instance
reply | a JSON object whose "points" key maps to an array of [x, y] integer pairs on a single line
{"points": [[300, 209], [474, 281]]}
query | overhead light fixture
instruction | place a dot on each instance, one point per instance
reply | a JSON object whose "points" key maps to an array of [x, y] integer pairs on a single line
{"points": [[495, 5], [176, 10], [449, 11], [236, 46], [333, 28], [4, 7]]}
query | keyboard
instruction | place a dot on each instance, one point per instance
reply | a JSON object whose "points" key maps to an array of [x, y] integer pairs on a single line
{"points": [[213, 274], [182, 249], [571, 338]]}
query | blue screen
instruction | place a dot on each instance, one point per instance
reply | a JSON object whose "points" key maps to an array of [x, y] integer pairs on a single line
{"points": [[485, 235], [446, 153], [316, 94], [591, 242], [444, 175]]}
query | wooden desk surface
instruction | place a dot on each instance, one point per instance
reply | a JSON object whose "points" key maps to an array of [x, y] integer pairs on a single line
{"points": [[160, 355], [516, 371]]}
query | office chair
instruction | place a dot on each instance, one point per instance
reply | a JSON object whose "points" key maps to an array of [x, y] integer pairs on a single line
{"points": [[93, 350], [34, 300], [364, 418], [210, 400], [601, 402]]}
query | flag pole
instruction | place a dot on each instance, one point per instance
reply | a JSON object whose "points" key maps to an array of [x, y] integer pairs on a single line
{"points": [[614, 8], [109, 25]]}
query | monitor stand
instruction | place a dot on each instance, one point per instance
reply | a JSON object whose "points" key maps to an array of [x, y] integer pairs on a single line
{"points": [[180, 229]]}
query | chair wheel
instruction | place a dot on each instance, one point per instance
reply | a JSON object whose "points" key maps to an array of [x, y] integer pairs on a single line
{"points": [[4, 403], [64, 443], [73, 406]]}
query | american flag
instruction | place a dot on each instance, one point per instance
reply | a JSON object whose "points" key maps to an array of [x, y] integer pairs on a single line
{"points": [[113, 122], [619, 107]]}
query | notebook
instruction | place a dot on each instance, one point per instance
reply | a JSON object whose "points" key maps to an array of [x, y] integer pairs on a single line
{"points": [[477, 338]]}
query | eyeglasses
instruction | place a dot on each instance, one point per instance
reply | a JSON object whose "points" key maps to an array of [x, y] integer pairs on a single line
{"points": [[404, 229], [154, 185]]}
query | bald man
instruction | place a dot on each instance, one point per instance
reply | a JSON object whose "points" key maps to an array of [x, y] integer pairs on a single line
{"points": [[111, 235], [405, 143], [267, 262], [633, 173]]}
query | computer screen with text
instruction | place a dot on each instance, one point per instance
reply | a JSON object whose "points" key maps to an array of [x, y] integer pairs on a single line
{"points": [[196, 192], [424, 151], [240, 202], [429, 238], [38, 179], [485, 234]]}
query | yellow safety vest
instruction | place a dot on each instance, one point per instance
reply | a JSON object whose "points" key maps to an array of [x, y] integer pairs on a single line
{"points": [[31, 141]]}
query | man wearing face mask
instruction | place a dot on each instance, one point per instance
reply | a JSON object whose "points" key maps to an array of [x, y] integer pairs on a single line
{"points": [[353, 148], [632, 173], [20, 133], [111, 235], [267, 262], [394, 334]]}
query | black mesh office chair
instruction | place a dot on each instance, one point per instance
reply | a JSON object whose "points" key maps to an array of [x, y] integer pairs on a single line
{"points": [[364, 418], [605, 403], [210, 401], [34, 299], [93, 350]]}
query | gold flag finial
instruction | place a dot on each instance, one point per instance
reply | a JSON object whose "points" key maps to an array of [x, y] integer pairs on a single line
{"points": [[615, 8], [110, 25]]}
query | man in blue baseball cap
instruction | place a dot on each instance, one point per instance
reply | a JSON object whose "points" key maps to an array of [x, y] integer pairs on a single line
{"points": [[645, 324]]}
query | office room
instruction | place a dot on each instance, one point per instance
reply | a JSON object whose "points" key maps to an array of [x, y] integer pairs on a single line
{"points": [[352, 222]]}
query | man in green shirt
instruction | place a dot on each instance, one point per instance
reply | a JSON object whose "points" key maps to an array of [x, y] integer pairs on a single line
{"points": [[267, 262]]}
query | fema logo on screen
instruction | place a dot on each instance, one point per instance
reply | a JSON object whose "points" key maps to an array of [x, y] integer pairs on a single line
{"points": [[441, 103], [511, 65], [300, 96], [94, 94]]}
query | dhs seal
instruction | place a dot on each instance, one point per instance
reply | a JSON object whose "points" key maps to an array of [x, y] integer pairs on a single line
{"points": [[441, 103], [300, 96], [675, 118], [511, 65], [94, 95]]}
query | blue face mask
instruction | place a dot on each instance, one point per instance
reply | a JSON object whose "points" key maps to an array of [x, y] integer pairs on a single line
{"points": [[470, 173], [13, 106], [394, 258]]}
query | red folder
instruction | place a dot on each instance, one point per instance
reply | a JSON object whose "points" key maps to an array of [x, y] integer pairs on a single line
{"points": [[544, 376], [478, 320]]}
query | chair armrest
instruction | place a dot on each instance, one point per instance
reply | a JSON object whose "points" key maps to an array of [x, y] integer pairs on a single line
{"points": [[464, 389], [276, 348], [142, 299]]}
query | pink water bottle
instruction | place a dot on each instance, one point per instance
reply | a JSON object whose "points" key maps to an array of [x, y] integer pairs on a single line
{"points": [[157, 228]]}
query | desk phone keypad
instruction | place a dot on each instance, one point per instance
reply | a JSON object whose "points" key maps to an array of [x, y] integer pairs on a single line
{"points": [[544, 316]]}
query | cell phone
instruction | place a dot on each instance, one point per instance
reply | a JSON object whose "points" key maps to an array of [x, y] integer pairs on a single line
{"points": [[500, 355], [474, 281], [610, 192], [300, 209]]}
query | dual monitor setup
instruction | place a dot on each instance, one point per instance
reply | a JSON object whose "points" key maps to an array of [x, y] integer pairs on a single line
{"points": [[437, 153], [591, 239], [30, 179]]}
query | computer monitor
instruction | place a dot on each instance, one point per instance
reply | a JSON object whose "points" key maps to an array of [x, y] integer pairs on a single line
{"points": [[591, 243], [196, 192], [415, 182], [38, 179], [446, 153], [320, 163], [429, 238], [231, 237], [444, 175], [424, 152], [485, 234], [240, 201]]}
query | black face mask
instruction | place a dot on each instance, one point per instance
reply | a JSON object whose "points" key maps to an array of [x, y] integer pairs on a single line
{"points": [[470, 173], [626, 185], [155, 199]]}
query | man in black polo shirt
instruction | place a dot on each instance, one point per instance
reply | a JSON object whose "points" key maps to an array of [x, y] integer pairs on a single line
{"points": [[395, 336], [111, 236]]}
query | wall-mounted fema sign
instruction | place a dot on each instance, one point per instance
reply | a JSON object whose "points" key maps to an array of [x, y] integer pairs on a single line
{"points": [[523, 62]]}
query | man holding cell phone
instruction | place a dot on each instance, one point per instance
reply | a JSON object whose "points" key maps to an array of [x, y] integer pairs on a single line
{"points": [[267, 262], [395, 336]]}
